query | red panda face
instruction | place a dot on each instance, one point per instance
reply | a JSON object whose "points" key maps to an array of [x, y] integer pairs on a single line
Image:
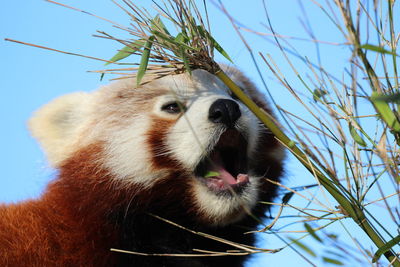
{"points": [[184, 131], [192, 125]]}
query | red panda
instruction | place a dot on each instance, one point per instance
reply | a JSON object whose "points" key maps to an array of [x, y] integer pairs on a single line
{"points": [[181, 147]]}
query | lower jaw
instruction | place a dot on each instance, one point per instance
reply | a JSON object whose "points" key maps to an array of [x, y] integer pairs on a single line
{"points": [[229, 191], [232, 207], [232, 217]]}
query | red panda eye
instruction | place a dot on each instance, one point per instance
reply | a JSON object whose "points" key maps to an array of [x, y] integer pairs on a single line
{"points": [[173, 107]]}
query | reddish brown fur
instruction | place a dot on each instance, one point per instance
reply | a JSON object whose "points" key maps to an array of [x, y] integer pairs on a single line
{"points": [[63, 227], [75, 223], [156, 139]]}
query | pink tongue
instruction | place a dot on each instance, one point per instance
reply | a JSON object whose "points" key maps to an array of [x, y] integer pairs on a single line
{"points": [[225, 175]]}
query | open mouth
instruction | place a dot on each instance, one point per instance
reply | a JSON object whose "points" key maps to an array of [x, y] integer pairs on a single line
{"points": [[224, 169]]}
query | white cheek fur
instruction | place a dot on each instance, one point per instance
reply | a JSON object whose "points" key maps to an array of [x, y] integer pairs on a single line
{"points": [[191, 135], [128, 154]]}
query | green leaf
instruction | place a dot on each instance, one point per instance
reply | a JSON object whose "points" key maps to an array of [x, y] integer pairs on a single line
{"points": [[385, 248], [303, 247], [359, 140], [185, 60], [144, 60], [220, 49], [191, 24], [311, 231], [181, 38], [158, 25], [169, 39], [127, 51], [378, 49], [211, 174], [385, 112], [332, 261], [318, 93], [202, 31], [216, 45], [388, 98]]}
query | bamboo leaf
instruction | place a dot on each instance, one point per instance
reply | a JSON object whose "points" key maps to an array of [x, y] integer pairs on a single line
{"points": [[385, 112], [191, 24], [378, 49], [202, 32], [158, 25], [385, 248], [144, 60], [311, 231], [220, 49], [303, 247], [127, 51], [359, 140], [216, 45], [171, 40], [185, 60], [181, 38], [388, 98], [211, 174], [318, 93], [332, 261]]}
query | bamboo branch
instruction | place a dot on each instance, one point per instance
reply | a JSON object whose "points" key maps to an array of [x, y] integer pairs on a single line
{"points": [[355, 212]]}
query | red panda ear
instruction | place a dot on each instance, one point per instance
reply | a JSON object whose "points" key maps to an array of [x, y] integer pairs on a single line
{"points": [[56, 125]]}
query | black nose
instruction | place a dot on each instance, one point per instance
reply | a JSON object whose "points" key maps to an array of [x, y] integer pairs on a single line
{"points": [[224, 111]]}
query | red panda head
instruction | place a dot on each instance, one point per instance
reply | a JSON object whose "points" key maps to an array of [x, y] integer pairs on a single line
{"points": [[183, 138]]}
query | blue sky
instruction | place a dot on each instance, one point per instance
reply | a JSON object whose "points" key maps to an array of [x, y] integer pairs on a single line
{"points": [[31, 77]]}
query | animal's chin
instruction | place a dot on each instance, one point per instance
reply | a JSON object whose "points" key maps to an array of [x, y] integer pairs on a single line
{"points": [[224, 170]]}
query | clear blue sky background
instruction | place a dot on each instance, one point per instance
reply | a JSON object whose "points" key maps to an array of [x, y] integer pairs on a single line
{"points": [[31, 77]]}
